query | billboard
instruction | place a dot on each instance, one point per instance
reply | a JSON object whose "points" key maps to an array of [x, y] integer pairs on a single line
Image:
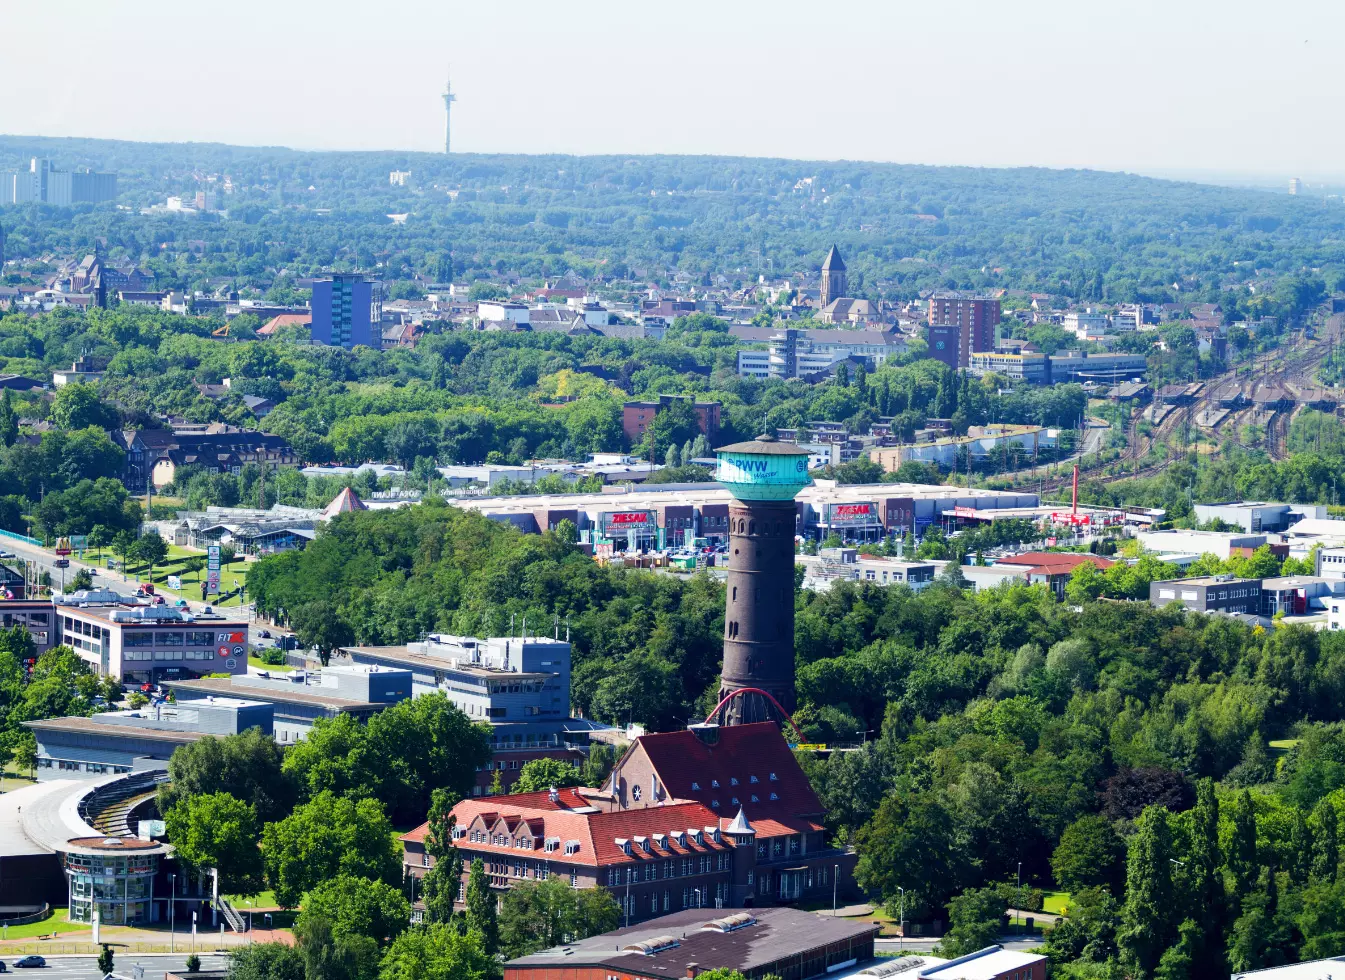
{"points": [[852, 515], [624, 521], [212, 569]]}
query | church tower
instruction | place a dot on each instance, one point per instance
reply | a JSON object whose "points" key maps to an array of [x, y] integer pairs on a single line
{"points": [[833, 277]]}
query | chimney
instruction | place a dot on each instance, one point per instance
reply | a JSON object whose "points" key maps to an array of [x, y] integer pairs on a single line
{"points": [[692, 970]]}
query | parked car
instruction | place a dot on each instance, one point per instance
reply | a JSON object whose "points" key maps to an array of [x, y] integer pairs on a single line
{"points": [[3, 968], [33, 960], [265, 634]]}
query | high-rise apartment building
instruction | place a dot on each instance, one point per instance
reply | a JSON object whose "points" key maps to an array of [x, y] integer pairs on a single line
{"points": [[347, 311], [43, 184], [960, 326]]}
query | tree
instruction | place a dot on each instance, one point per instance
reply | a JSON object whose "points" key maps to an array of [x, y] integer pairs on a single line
{"points": [[150, 549], [9, 419], [318, 625], [1325, 844], [974, 919], [77, 406], [1240, 858], [358, 906], [104, 954], [911, 842], [1201, 944], [438, 952], [1298, 860], [1090, 853], [482, 913], [266, 961], [538, 915], [1146, 925], [216, 830], [325, 837], [246, 766], [81, 580], [1179, 961], [1085, 584], [328, 956], [440, 882], [538, 775], [192, 963]]}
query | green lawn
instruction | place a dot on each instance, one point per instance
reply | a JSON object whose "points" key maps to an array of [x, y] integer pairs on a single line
{"points": [[58, 921], [1055, 902], [1282, 744], [260, 664], [191, 581], [264, 900]]}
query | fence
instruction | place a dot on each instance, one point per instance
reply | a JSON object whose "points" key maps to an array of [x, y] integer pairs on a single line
{"points": [[15, 536], [51, 947]]}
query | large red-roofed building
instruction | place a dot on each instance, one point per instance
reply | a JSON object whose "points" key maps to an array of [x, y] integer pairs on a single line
{"points": [[712, 817]]}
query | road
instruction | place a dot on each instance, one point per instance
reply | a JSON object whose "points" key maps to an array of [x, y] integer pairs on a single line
{"points": [[105, 579], [86, 967]]}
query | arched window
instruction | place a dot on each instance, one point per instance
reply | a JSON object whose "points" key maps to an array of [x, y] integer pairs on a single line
{"points": [[752, 527]]}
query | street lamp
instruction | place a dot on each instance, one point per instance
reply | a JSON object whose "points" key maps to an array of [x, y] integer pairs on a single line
{"points": [[901, 920], [698, 897], [172, 915], [1019, 900], [835, 880]]}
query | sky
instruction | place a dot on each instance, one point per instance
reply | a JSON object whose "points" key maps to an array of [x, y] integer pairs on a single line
{"points": [[1180, 87]]}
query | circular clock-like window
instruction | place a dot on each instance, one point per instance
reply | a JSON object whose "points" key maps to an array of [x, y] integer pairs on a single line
{"points": [[939, 345], [635, 792]]}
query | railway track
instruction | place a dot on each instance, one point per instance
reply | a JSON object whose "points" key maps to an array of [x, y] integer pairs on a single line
{"points": [[1293, 370]]}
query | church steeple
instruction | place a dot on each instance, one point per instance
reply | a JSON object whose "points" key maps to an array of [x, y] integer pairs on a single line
{"points": [[833, 277]]}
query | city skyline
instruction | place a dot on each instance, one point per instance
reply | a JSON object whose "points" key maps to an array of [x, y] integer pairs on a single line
{"points": [[896, 97]]}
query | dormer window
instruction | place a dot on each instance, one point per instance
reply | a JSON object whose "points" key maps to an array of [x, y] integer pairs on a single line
{"points": [[714, 784], [773, 777], [774, 796], [661, 841], [572, 847], [754, 798], [734, 801], [733, 780], [643, 844], [623, 845], [754, 779], [695, 786]]}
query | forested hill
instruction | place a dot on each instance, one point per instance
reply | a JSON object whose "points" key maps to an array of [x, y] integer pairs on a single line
{"points": [[1085, 234]]}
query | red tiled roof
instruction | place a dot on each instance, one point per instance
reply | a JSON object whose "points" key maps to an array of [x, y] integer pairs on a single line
{"points": [[684, 762], [1054, 562], [284, 320], [596, 832]]}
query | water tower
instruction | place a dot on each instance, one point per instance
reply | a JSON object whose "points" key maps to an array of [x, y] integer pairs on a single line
{"points": [[764, 477]]}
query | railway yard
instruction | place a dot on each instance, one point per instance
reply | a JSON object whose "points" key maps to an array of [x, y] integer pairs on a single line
{"points": [[1252, 404]]}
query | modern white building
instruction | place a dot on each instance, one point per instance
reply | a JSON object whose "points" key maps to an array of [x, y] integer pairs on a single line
{"points": [[500, 311], [1087, 324], [1220, 544]]}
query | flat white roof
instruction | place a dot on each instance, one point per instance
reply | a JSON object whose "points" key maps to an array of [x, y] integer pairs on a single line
{"points": [[982, 966], [1311, 970]]}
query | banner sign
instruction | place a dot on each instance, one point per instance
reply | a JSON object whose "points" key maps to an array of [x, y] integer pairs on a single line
{"points": [[852, 514], [629, 520], [212, 569]]}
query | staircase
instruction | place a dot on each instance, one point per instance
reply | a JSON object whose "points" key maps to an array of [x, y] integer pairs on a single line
{"points": [[115, 820], [230, 914]]}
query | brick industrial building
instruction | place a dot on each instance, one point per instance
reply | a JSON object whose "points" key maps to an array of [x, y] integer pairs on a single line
{"points": [[960, 326], [712, 817], [636, 416]]}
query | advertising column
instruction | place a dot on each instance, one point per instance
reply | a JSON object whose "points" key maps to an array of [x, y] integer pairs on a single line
{"points": [[212, 570]]}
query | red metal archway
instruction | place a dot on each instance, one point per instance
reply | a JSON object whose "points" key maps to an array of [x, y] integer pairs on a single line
{"points": [[765, 694]]}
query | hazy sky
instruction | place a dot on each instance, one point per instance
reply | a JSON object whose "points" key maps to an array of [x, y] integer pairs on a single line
{"points": [[1230, 86]]}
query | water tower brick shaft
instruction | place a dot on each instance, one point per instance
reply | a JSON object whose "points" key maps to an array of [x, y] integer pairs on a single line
{"points": [[759, 608], [764, 476]]}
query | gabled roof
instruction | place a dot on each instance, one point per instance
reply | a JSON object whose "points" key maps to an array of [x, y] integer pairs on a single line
{"points": [[833, 262], [689, 765], [573, 818]]}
